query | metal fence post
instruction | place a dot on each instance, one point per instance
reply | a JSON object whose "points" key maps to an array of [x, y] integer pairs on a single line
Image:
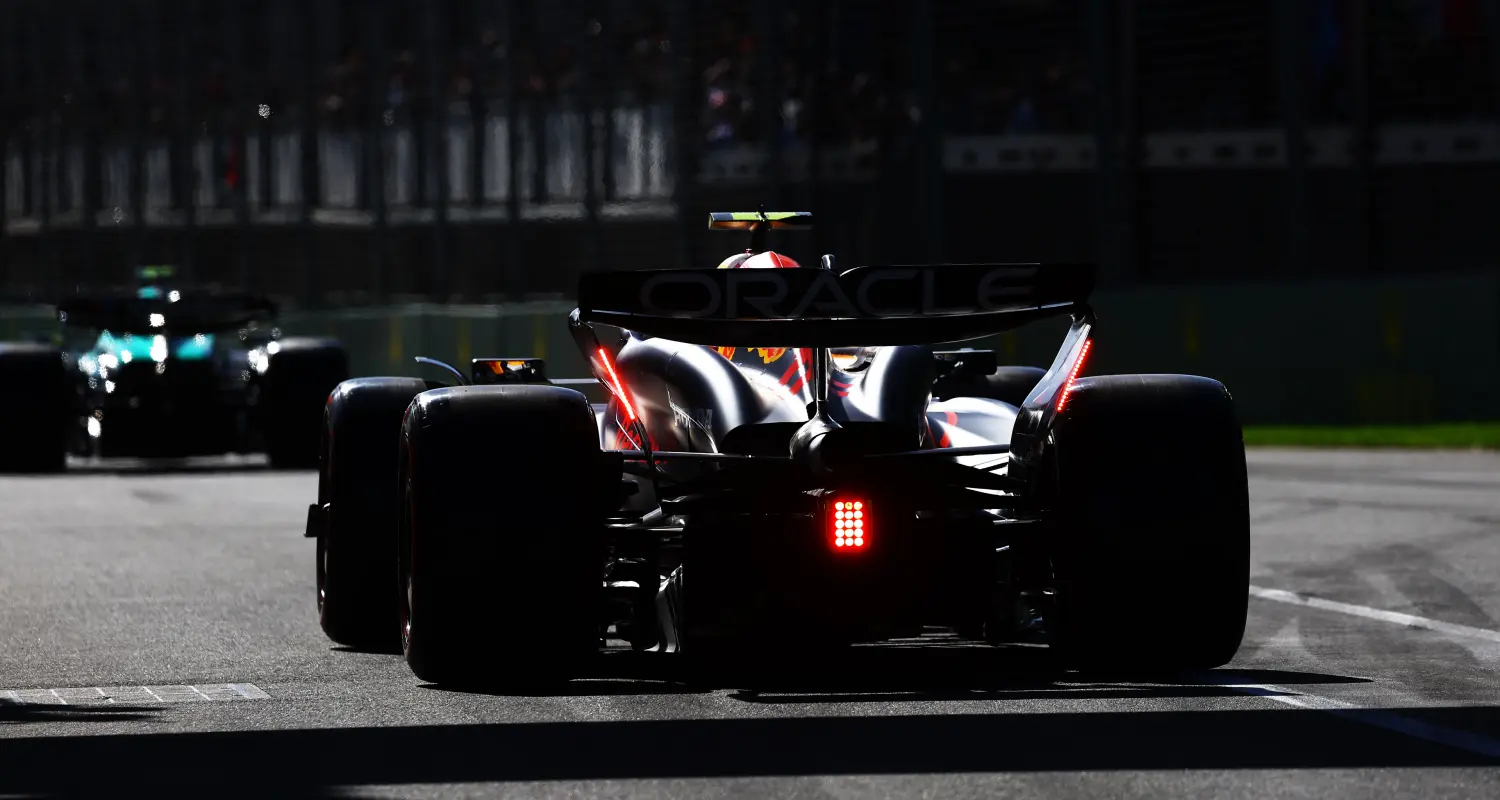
{"points": [[435, 124], [610, 91], [307, 157], [1491, 10], [513, 121], [262, 30], [70, 107], [1492, 30], [7, 133], [929, 160], [235, 35], [377, 77], [30, 121], [479, 111], [1290, 49], [813, 117], [1365, 244], [537, 107], [768, 15], [47, 131], [185, 174], [136, 98], [588, 105], [1117, 149], [686, 102], [91, 146]]}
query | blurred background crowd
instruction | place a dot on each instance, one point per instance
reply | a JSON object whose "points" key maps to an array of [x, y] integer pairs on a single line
{"points": [[616, 108], [1007, 67]]}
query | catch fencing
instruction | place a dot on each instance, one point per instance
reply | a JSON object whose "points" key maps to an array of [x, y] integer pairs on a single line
{"points": [[341, 152]]}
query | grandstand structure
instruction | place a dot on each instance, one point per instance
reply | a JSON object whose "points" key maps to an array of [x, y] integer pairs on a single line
{"points": [[352, 151]]}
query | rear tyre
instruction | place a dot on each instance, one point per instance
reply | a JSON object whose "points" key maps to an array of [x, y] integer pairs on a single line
{"points": [[501, 563], [1152, 547], [1006, 384], [358, 480], [35, 401], [300, 376]]}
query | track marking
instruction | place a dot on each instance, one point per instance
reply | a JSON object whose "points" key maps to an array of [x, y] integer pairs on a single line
{"points": [[249, 691], [1393, 617], [182, 693], [1395, 723]]}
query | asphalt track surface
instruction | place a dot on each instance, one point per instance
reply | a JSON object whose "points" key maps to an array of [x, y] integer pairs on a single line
{"points": [[178, 609]]}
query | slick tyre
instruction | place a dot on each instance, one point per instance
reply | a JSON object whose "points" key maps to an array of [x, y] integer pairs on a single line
{"points": [[1152, 543], [299, 377], [500, 551], [358, 482], [35, 401]]}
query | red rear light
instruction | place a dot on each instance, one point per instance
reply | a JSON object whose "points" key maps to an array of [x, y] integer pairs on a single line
{"points": [[850, 524], [616, 386], [1062, 397]]}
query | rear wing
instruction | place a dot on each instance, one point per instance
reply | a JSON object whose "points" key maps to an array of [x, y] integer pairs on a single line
{"points": [[751, 220], [196, 312], [865, 306], [759, 223]]}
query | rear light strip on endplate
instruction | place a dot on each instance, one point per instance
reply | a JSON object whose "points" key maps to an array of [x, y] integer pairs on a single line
{"points": [[616, 386], [1062, 397]]}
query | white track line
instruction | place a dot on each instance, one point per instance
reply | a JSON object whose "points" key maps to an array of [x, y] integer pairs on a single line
{"points": [[1393, 617], [1386, 720]]}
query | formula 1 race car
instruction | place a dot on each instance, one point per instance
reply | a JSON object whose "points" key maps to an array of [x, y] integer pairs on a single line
{"points": [[155, 371], [787, 438]]}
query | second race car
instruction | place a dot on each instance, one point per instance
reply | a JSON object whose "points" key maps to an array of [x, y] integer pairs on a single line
{"points": [[161, 371]]}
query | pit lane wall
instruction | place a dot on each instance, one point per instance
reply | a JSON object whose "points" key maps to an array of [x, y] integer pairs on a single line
{"points": [[1400, 350]]}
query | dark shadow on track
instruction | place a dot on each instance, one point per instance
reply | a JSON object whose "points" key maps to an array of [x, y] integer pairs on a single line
{"points": [[975, 673], [579, 688], [302, 763], [1089, 692], [13, 713], [939, 668], [927, 666], [394, 650]]}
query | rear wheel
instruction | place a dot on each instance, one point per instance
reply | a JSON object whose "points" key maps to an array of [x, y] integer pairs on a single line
{"points": [[500, 543], [1006, 384], [358, 480], [35, 401], [301, 375], [1152, 546]]}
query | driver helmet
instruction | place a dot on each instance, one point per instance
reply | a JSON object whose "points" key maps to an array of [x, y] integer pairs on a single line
{"points": [[749, 260], [766, 260]]}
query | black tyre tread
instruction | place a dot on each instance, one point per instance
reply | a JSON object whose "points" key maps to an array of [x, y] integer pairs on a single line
{"points": [[34, 408], [1153, 554], [301, 375], [1006, 384], [501, 532], [359, 476]]}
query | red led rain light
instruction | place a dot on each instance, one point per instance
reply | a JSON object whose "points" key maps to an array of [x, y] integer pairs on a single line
{"points": [[851, 525]]}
